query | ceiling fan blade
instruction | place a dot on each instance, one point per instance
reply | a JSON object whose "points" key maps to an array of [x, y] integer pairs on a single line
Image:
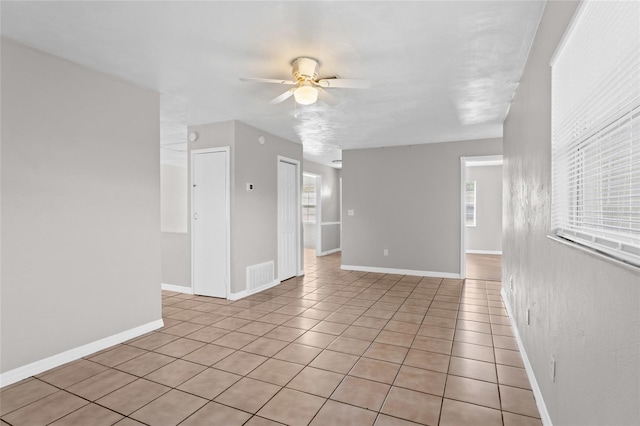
{"points": [[268, 80], [286, 95], [344, 83], [327, 97]]}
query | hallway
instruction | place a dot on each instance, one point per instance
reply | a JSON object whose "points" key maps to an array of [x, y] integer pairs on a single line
{"points": [[484, 267], [329, 348]]}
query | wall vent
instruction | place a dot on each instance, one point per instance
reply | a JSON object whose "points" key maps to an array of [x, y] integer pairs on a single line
{"points": [[260, 275]]}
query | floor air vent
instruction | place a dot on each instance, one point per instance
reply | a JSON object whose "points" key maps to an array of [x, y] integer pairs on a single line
{"points": [[259, 275]]}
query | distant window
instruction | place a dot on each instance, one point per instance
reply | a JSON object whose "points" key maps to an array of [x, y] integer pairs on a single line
{"points": [[309, 204], [470, 203], [596, 130]]}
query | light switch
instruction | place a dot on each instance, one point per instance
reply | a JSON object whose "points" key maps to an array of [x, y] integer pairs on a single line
{"points": [[350, 213]]}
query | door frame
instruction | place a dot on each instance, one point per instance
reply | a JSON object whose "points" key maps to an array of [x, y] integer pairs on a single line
{"points": [[226, 151], [318, 182], [484, 160], [298, 225]]}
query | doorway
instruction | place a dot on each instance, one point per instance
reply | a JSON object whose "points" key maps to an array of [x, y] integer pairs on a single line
{"points": [[481, 218], [289, 244], [210, 222], [311, 211]]}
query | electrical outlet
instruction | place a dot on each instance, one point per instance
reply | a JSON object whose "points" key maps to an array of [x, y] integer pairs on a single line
{"points": [[528, 316], [386, 252], [553, 369]]}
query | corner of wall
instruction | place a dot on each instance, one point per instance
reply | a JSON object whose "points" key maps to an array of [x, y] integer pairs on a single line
{"points": [[537, 393]]}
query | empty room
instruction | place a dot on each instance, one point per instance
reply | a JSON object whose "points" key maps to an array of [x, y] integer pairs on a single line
{"points": [[320, 213]]}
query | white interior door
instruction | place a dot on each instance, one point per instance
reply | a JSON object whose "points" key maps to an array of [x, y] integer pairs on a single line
{"points": [[210, 223], [288, 219]]}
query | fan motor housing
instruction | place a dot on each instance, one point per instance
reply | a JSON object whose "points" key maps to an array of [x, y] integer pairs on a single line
{"points": [[305, 68]]}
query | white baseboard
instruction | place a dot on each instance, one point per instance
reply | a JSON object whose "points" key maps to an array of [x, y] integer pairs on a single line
{"points": [[244, 293], [177, 288], [484, 252], [325, 253], [400, 271], [239, 295], [542, 407], [37, 367]]}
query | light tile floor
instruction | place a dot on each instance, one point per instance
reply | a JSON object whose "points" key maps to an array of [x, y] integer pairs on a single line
{"points": [[329, 348]]}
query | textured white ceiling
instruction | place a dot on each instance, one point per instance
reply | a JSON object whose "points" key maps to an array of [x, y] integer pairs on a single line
{"points": [[440, 70]]}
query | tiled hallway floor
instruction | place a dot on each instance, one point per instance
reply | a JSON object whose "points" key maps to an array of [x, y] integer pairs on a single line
{"points": [[329, 348], [484, 266]]}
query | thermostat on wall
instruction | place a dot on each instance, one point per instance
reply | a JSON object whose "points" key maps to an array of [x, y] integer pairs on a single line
{"points": [[249, 187]]}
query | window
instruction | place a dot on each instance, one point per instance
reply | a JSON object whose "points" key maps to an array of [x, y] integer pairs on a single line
{"points": [[470, 203], [309, 203], [596, 130]]}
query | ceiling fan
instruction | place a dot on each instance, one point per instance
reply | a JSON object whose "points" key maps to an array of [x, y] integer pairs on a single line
{"points": [[308, 86]]}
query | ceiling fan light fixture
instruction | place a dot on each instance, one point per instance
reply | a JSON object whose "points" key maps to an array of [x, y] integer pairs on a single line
{"points": [[306, 94]]}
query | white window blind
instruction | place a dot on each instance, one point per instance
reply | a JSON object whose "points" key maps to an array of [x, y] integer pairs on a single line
{"points": [[596, 130], [470, 203]]}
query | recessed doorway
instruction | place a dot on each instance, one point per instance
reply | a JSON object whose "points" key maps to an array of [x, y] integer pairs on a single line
{"points": [[311, 212], [481, 218], [289, 244]]}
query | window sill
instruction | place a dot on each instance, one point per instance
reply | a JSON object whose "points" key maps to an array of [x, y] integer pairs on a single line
{"points": [[593, 252]]}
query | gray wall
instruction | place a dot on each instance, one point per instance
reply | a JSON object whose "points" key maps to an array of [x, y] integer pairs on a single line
{"points": [[585, 311], [330, 203], [176, 244], [330, 237], [407, 200], [176, 259], [173, 198], [487, 234], [80, 206], [310, 235], [254, 221]]}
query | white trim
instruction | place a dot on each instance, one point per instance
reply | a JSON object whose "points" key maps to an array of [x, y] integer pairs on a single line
{"points": [[37, 367], [299, 255], [177, 288], [593, 252], [318, 222], [465, 162], [400, 271], [484, 252], [537, 393], [485, 160], [237, 296], [463, 216], [318, 215], [301, 273], [340, 209], [244, 293], [194, 152], [330, 223], [325, 253]]}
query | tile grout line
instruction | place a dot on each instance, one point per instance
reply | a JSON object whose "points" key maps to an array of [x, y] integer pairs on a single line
{"points": [[341, 289]]}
